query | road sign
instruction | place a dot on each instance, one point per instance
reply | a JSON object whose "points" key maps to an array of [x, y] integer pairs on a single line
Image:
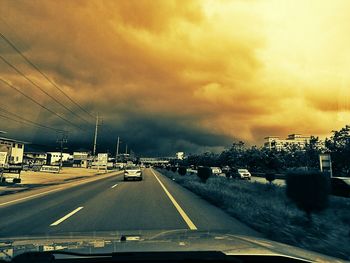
{"points": [[102, 159], [326, 163]]}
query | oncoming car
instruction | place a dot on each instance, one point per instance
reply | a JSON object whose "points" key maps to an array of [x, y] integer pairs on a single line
{"points": [[132, 172]]}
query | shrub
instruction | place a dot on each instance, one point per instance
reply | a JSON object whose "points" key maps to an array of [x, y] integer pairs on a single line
{"points": [[270, 177], [168, 168], [204, 173], [182, 170], [308, 190], [173, 168]]}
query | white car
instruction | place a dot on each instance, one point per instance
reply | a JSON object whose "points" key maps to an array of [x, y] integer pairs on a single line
{"points": [[132, 172], [243, 174], [216, 170]]}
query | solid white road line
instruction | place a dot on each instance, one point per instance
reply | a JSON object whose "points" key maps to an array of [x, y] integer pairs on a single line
{"points": [[177, 206], [59, 221], [114, 185]]}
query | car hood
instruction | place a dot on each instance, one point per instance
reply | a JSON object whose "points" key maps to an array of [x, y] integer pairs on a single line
{"points": [[152, 241]]}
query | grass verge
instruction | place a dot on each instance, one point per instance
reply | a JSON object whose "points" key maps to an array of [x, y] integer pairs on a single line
{"points": [[266, 209]]}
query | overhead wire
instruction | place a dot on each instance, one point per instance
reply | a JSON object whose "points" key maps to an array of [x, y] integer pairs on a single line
{"points": [[38, 87], [39, 104], [43, 74], [31, 122]]}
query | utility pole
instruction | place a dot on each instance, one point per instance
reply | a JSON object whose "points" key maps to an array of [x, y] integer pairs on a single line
{"points": [[117, 151], [63, 139], [95, 138]]}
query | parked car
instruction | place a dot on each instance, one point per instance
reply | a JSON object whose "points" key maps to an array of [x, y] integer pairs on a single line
{"points": [[340, 186], [216, 170], [132, 172], [242, 174]]}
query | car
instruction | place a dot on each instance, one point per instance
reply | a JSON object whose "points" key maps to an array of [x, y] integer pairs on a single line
{"points": [[340, 186], [132, 172], [242, 174], [216, 170]]}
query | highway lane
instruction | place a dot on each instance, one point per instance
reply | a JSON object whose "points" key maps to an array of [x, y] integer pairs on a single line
{"points": [[110, 204]]}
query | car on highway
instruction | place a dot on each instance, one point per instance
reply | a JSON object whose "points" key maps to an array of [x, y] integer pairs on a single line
{"points": [[241, 174], [132, 172], [216, 170], [340, 186]]}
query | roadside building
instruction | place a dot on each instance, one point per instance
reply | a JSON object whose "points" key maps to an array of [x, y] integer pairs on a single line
{"points": [[12, 150], [55, 157], [155, 160], [35, 158], [80, 159], [275, 142]]}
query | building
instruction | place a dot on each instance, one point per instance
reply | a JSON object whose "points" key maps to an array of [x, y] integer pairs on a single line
{"points": [[55, 157], [80, 159], [155, 160], [35, 158], [274, 142], [12, 151], [180, 155]]}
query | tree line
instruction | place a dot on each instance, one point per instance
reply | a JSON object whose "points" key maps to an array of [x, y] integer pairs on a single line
{"points": [[261, 159]]}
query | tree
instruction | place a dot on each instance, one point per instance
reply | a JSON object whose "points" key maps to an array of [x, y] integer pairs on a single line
{"points": [[339, 147], [308, 190], [204, 173], [234, 156], [182, 170], [312, 151], [270, 177]]}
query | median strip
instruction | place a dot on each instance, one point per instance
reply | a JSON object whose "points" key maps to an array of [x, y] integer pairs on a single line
{"points": [[59, 221], [177, 206]]}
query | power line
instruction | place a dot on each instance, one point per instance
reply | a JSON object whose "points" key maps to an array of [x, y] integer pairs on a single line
{"points": [[38, 87], [32, 122], [39, 104], [44, 75]]}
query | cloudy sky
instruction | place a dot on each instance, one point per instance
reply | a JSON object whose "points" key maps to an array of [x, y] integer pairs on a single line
{"points": [[169, 75]]}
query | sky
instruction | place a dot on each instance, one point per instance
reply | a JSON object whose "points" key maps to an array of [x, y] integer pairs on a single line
{"points": [[176, 75]]}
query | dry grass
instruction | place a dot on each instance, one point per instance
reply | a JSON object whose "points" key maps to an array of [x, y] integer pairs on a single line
{"points": [[266, 209]]}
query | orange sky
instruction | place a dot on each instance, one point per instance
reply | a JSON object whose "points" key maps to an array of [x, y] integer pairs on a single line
{"points": [[227, 69]]}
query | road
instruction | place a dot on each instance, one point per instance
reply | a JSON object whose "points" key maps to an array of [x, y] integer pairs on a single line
{"points": [[110, 204]]}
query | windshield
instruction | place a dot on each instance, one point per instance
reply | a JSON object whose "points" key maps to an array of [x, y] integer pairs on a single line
{"points": [[128, 119]]}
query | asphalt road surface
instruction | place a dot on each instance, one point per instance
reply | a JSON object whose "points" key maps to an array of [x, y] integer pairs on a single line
{"points": [[110, 204]]}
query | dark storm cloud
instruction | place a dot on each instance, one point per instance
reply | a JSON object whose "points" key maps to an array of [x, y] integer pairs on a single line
{"points": [[177, 73]]}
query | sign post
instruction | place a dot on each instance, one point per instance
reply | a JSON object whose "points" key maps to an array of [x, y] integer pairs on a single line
{"points": [[326, 163]]}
